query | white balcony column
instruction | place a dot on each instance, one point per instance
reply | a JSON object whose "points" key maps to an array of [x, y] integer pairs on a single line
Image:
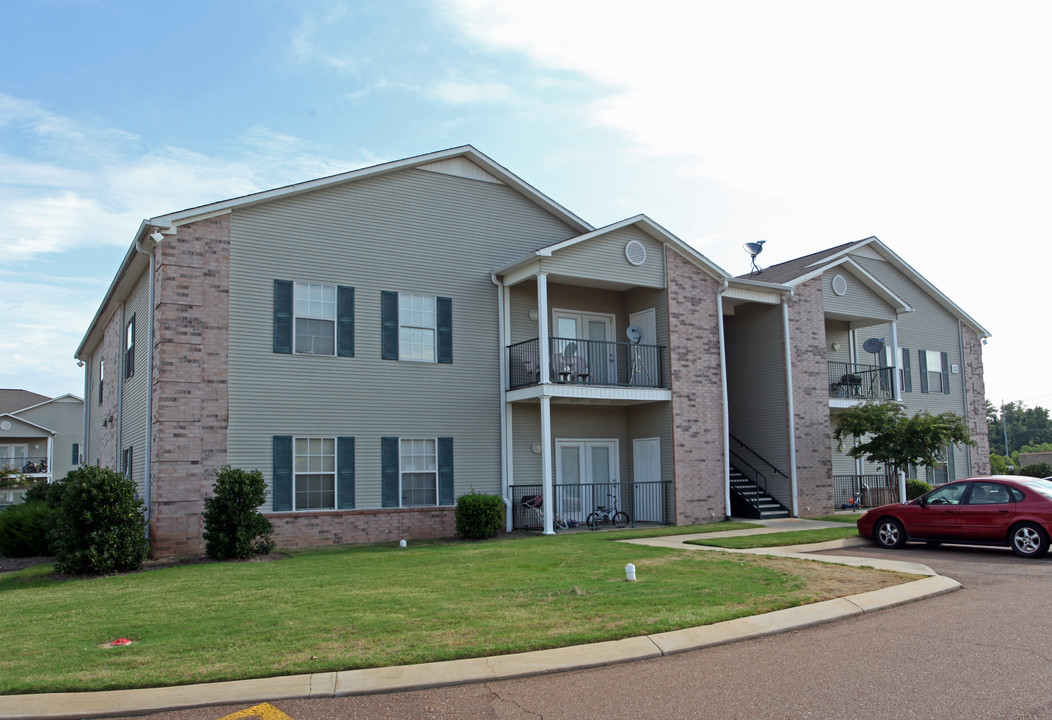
{"points": [[50, 458], [544, 357], [547, 484], [896, 360]]}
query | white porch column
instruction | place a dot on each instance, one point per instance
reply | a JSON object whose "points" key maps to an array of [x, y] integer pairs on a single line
{"points": [[50, 459], [896, 358], [547, 484], [542, 328]]}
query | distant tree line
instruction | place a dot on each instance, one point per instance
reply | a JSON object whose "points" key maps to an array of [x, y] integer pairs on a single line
{"points": [[1027, 427]]}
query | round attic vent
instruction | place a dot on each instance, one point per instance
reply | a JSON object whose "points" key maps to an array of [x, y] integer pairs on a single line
{"points": [[635, 252], [839, 285], [5, 425]]}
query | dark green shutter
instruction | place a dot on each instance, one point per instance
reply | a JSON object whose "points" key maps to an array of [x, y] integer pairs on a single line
{"points": [[76, 453], [445, 471], [388, 325], [922, 365], [283, 316], [444, 327], [345, 470], [907, 373], [946, 375], [345, 321], [389, 493], [282, 472]]}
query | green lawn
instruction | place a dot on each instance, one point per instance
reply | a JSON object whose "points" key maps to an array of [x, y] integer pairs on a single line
{"points": [[793, 537], [847, 517], [356, 607]]}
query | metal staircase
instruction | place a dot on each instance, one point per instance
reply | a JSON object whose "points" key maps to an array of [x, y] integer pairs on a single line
{"points": [[750, 500], [755, 483]]}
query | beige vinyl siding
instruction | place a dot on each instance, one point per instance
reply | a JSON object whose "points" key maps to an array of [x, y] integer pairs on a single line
{"points": [[838, 331], [756, 389], [133, 397], [647, 421], [603, 258], [66, 419], [523, 300], [639, 299], [858, 301], [409, 231]]}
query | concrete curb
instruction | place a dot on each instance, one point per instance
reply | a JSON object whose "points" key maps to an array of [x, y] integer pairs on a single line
{"points": [[414, 677]]}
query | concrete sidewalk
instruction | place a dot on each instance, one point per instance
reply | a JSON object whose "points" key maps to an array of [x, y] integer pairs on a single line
{"points": [[411, 677]]}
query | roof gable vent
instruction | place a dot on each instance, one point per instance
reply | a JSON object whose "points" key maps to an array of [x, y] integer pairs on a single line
{"points": [[635, 252]]}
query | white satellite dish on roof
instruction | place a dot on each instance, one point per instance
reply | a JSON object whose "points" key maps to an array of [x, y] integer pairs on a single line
{"points": [[754, 249]]}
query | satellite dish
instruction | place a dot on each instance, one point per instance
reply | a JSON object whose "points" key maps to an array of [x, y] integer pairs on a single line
{"points": [[635, 334], [873, 346], [754, 249]]}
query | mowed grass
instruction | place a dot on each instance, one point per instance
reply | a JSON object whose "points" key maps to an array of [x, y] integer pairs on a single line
{"points": [[793, 537], [359, 607]]}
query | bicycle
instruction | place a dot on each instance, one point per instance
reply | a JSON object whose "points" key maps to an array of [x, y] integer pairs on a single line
{"points": [[605, 515], [534, 502]]}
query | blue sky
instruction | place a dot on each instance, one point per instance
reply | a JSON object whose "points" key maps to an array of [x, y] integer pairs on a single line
{"points": [[803, 124]]}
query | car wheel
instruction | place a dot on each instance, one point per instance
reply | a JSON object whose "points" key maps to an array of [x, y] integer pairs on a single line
{"points": [[1029, 540], [889, 533]]}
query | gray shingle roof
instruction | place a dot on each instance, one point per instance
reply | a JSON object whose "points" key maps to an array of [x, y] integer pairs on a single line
{"points": [[14, 400]]}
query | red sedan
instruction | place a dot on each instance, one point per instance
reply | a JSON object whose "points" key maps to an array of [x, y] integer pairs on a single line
{"points": [[996, 510]]}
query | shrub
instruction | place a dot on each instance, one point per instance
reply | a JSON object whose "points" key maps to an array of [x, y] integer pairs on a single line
{"points": [[24, 528], [1037, 470], [234, 527], [479, 516], [916, 488], [99, 524]]}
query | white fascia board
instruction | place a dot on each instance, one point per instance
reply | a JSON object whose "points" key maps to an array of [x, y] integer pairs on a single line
{"points": [[919, 279], [14, 416], [466, 151], [867, 279], [846, 251]]}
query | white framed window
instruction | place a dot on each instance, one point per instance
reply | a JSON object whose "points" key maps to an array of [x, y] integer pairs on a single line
{"points": [[314, 473], [314, 313], [14, 456], [935, 378], [416, 327], [418, 471]]}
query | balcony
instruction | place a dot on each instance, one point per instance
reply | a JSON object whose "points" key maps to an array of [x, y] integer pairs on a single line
{"points": [[35, 466], [855, 381], [588, 363]]}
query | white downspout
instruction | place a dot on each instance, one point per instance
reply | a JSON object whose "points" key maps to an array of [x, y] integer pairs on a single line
{"points": [[789, 400], [87, 411], [896, 359], [503, 362], [726, 413], [148, 465], [120, 393]]}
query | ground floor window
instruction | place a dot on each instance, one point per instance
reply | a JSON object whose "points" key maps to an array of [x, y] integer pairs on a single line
{"points": [[418, 467], [315, 474]]}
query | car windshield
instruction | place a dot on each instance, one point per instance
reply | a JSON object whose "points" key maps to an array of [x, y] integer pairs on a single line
{"points": [[1041, 486]]}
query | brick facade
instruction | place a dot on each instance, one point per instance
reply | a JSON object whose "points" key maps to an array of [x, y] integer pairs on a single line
{"points": [[106, 415], [807, 341], [294, 530], [697, 393], [975, 401], [191, 341]]}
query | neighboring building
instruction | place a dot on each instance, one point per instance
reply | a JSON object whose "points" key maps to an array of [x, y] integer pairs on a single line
{"points": [[40, 437], [372, 342]]}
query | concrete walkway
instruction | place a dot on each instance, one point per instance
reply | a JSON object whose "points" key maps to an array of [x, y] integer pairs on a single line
{"points": [[410, 677]]}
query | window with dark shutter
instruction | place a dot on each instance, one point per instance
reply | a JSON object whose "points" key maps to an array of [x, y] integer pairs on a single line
{"points": [[283, 316], [281, 470]]}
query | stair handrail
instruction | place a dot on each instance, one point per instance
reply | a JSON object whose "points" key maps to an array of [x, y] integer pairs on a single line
{"points": [[756, 473], [759, 457]]}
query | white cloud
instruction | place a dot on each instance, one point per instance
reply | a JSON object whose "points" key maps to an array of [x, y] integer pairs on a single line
{"points": [[464, 93]]}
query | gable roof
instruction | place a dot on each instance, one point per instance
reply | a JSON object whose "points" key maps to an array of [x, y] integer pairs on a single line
{"points": [[152, 231], [802, 269], [12, 400]]}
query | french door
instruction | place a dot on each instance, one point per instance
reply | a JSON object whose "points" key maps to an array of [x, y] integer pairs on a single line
{"points": [[585, 350], [586, 474]]}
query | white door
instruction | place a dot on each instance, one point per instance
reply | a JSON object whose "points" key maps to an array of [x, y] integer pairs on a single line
{"points": [[648, 493], [644, 361], [586, 475], [584, 349]]}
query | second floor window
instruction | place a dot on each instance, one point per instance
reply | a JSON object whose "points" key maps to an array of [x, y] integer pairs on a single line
{"points": [[102, 376], [315, 312], [129, 348]]}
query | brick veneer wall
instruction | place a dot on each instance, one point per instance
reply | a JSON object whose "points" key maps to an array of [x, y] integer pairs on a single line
{"points": [[697, 393], [299, 529], [105, 415], [191, 342], [807, 340], [975, 401]]}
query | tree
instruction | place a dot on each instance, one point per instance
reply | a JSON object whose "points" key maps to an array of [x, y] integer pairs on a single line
{"points": [[1026, 426], [234, 527], [883, 433]]}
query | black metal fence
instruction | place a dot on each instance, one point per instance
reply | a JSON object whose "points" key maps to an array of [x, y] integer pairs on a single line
{"points": [[864, 491], [644, 502], [588, 362], [867, 382], [27, 465]]}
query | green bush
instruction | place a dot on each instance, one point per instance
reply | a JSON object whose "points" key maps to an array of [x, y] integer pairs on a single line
{"points": [[99, 524], [1037, 470], [479, 516], [916, 488], [24, 528], [234, 527]]}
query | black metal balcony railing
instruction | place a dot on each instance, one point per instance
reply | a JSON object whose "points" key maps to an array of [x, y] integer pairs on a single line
{"points": [[864, 382], [588, 362], [26, 465], [851, 492], [644, 502]]}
